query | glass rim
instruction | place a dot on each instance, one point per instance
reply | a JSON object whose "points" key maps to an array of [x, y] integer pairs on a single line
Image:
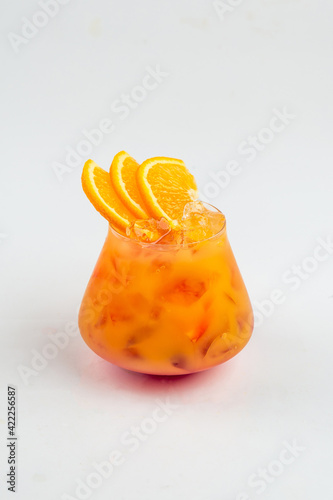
{"points": [[172, 245]]}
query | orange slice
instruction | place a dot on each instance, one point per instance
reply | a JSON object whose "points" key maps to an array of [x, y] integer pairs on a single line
{"points": [[166, 186], [97, 186], [123, 177]]}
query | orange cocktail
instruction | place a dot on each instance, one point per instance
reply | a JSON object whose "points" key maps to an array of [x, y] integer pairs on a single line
{"points": [[167, 300], [166, 309]]}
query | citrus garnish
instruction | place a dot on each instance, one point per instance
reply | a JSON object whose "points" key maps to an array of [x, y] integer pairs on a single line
{"points": [[166, 186], [123, 177], [97, 186]]}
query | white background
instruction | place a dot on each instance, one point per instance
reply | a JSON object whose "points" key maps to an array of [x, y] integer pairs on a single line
{"points": [[226, 75]]}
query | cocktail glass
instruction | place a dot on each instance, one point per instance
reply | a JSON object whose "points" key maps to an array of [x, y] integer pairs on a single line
{"points": [[166, 309]]}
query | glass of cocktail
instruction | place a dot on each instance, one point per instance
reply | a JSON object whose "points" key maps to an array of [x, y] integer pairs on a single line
{"points": [[167, 299]]}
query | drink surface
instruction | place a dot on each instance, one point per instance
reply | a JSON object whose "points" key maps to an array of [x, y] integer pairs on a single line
{"points": [[166, 309]]}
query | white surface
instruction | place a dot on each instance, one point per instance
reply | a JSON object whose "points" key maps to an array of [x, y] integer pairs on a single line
{"points": [[225, 77]]}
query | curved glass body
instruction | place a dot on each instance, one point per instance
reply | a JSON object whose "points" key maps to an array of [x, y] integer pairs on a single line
{"points": [[163, 309]]}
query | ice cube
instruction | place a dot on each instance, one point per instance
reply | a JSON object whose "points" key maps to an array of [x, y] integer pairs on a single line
{"points": [[148, 231], [132, 352], [200, 221], [172, 237], [219, 346], [193, 207], [163, 224], [102, 319], [185, 291], [216, 221], [139, 335], [179, 361]]}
